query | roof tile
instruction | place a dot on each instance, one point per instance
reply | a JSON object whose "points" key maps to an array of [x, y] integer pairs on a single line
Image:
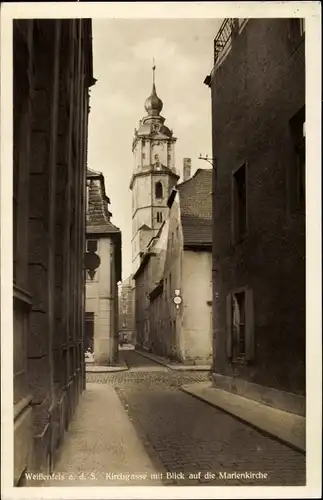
{"points": [[195, 196]]}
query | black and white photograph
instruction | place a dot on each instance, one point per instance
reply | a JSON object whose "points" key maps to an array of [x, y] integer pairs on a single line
{"points": [[160, 250]]}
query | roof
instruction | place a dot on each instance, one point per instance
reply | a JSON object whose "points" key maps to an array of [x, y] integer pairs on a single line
{"points": [[106, 228], [98, 215], [144, 227], [195, 197], [93, 173]]}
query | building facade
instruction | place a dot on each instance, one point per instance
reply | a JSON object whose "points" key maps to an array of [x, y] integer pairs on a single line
{"points": [[153, 177], [125, 311], [52, 73], [103, 264], [177, 267], [258, 114]]}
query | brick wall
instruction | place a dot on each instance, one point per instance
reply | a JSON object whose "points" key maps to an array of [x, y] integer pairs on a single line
{"points": [[256, 91]]}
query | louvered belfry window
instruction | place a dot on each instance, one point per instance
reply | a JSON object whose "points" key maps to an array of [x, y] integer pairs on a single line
{"points": [[158, 190]]}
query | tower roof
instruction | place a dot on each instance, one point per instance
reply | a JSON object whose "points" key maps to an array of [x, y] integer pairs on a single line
{"points": [[153, 104]]}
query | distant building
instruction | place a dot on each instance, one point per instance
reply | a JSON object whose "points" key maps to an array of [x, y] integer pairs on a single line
{"points": [[103, 263], [52, 73], [125, 311], [177, 267], [258, 105]]}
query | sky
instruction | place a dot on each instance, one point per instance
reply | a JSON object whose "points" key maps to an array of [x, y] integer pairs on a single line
{"points": [[123, 53]]}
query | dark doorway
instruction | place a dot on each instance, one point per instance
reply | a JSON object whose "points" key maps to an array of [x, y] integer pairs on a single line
{"points": [[89, 331]]}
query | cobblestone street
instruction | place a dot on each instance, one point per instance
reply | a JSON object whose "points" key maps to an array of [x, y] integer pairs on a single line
{"points": [[184, 436]]}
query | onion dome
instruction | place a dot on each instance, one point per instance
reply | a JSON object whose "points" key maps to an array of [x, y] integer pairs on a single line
{"points": [[153, 104]]}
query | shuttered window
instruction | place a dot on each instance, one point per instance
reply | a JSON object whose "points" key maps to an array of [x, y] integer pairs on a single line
{"points": [[240, 325]]}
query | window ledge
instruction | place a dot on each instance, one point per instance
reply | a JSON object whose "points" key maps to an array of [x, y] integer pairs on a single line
{"points": [[22, 405], [240, 361], [22, 296]]}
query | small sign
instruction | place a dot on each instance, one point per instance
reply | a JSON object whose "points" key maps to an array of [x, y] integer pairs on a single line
{"points": [[177, 300]]}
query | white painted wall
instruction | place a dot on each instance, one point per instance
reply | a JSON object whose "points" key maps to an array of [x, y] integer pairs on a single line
{"points": [[184, 334], [102, 300], [197, 315]]}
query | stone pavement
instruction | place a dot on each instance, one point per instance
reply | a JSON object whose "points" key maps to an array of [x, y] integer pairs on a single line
{"points": [[101, 447], [189, 437], [140, 422], [287, 427]]}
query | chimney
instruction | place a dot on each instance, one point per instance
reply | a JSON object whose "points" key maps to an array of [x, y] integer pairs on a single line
{"points": [[187, 163]]}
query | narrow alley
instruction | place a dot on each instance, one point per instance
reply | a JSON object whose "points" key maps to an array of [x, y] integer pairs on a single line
{"points": [[157, 278], [139, 422]]}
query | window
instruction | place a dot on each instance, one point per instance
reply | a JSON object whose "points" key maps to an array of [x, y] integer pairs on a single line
{"points": [[297, 26], [158, 190], [297, 174], [296, 32], [143, 156], [92, 246], [239, 331], [302, 26], [87, 196], [159, 217], [240, 325], [239, 203]]}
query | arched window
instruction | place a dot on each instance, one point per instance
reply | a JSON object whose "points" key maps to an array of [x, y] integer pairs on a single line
{"points": [[158, 190]]}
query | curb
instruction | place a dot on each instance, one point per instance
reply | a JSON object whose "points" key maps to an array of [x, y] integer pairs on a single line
{"points": [[260, 428], [175, 367], [90, 368]]}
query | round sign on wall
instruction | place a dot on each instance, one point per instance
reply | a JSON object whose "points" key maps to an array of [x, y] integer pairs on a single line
{"points": [[91, 261]]}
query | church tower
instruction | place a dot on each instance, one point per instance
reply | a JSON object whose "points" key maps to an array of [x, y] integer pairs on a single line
{"points": [[153, 177]]}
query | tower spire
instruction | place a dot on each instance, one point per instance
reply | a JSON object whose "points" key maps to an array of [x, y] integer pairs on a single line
{"points": [[154, 69], [153, 104]]}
